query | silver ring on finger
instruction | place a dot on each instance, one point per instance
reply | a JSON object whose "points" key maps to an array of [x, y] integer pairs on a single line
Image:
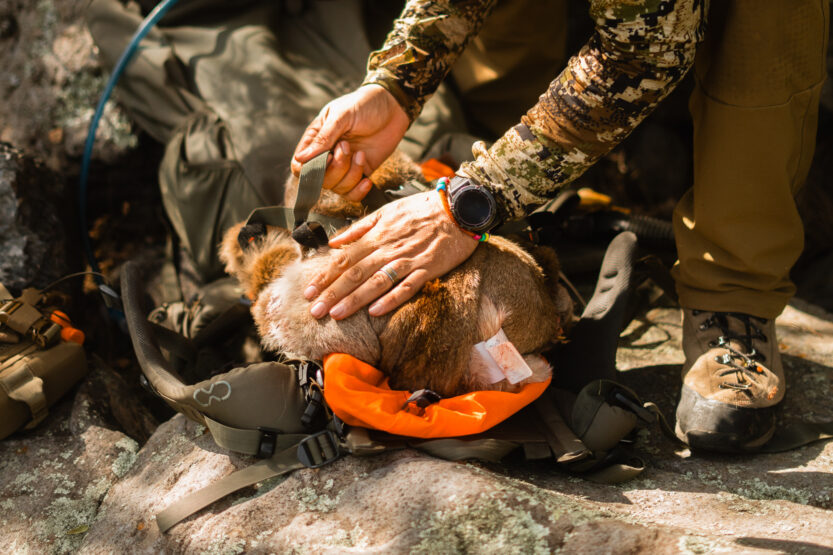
{"points": [[388, 270]]}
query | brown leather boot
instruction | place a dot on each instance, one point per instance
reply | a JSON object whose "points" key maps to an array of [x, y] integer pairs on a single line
{"points": [[732, 381]]}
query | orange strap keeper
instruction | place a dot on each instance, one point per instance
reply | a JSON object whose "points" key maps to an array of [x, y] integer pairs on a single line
{"points": [[359, 395]]}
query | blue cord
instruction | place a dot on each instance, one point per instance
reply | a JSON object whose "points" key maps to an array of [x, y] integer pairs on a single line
{"points": [[144, 28]]}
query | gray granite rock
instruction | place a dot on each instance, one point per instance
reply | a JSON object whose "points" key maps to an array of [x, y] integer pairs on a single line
{"points": [[408, 502], [33, 237], [53, 479], [51, 83], [394, 503]]}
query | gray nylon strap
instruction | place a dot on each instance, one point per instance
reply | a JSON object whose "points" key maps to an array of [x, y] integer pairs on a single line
{"points": [[565, 445], [309, 187], [280, 216], [615, 473], [797, 434], [285, 461], [310, 183], [245, 440], [234, 439], [458, 449]]}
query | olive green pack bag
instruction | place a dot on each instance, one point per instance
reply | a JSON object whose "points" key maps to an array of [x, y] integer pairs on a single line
{"points": [[41, 358]]}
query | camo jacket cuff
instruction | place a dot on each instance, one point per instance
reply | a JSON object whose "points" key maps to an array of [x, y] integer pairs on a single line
{"points": [[426, 40], [638, 53]]}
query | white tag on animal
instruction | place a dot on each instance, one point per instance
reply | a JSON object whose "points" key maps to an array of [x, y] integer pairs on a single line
{"points": [[506, 357], [486, 365]]}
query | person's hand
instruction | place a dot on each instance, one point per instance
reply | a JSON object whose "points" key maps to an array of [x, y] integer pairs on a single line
{"points": [[363, 128], [413, 236]]}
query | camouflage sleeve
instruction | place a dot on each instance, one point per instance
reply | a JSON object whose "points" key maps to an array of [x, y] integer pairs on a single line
{"points": [[638, 53], [425, 41]]}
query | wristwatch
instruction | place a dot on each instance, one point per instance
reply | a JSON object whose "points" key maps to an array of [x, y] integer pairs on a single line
{"points": [[472, 206]]}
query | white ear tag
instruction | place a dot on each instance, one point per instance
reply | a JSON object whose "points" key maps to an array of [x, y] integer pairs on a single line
{"points": [[503, 361]]}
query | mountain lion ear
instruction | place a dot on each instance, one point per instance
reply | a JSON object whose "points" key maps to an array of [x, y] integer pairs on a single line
{"points": [[231, 252], [256, 254]]}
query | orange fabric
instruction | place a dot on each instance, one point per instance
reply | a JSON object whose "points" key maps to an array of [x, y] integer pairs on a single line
{"points": [[359, 395], [433, 169], [68, 333]]}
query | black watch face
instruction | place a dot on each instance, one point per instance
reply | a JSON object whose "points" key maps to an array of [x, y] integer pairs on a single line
{"points": [[474, 208]]}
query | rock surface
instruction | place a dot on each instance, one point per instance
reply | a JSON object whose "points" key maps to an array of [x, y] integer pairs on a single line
{"points": [[33, 230], [51, 82], [408, 502], [53, 479]]}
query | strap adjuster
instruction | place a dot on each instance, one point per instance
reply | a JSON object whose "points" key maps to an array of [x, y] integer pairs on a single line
{"points": [[318, 449], [268, 443], [623, 399]]}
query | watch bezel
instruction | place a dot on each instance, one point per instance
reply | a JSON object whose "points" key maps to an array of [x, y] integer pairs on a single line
{"points": [[458, 187]]}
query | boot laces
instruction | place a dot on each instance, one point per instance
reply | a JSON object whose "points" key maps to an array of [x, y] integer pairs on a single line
{"points": [[743, 365]]}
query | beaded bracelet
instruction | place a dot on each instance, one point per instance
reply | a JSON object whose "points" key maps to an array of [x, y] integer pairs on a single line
{"points": [[442, 190]]}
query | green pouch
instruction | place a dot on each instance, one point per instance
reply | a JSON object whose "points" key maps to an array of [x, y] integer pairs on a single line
{"points": [[36, 367]]}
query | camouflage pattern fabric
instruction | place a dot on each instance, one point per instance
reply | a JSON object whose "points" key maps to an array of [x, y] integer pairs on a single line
{"points": [[638, 53], [426, 40]]}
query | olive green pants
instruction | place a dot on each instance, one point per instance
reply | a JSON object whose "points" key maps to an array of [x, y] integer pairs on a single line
{"points": [[755, 108], [758, 79]]}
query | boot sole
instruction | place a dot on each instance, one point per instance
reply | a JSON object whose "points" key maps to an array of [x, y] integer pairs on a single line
{"points": [[709, 425]]}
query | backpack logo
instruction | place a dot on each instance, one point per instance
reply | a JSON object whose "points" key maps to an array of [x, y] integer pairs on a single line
{"points": [[219, 391]]}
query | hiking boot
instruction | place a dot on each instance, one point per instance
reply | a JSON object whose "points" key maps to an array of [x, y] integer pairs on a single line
{"points": [[732, 381]]}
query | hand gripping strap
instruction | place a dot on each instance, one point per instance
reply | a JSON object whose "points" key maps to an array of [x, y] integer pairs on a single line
{"points": [[309, 190]]}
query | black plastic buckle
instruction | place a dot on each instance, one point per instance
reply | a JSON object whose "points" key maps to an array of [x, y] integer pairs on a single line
{"points": [[318, 449], [339, 426], [268, 443], [314, 409], [421, 399]]}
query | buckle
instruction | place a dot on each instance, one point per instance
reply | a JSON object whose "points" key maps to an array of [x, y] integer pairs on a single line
{"points": [[314, 409], [421, 399], [268, 442], [44, 333], [318, 449], [339, 426]]}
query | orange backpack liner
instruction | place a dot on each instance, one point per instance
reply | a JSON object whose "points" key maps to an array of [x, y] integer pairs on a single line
{"points": [[359, 395]]}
